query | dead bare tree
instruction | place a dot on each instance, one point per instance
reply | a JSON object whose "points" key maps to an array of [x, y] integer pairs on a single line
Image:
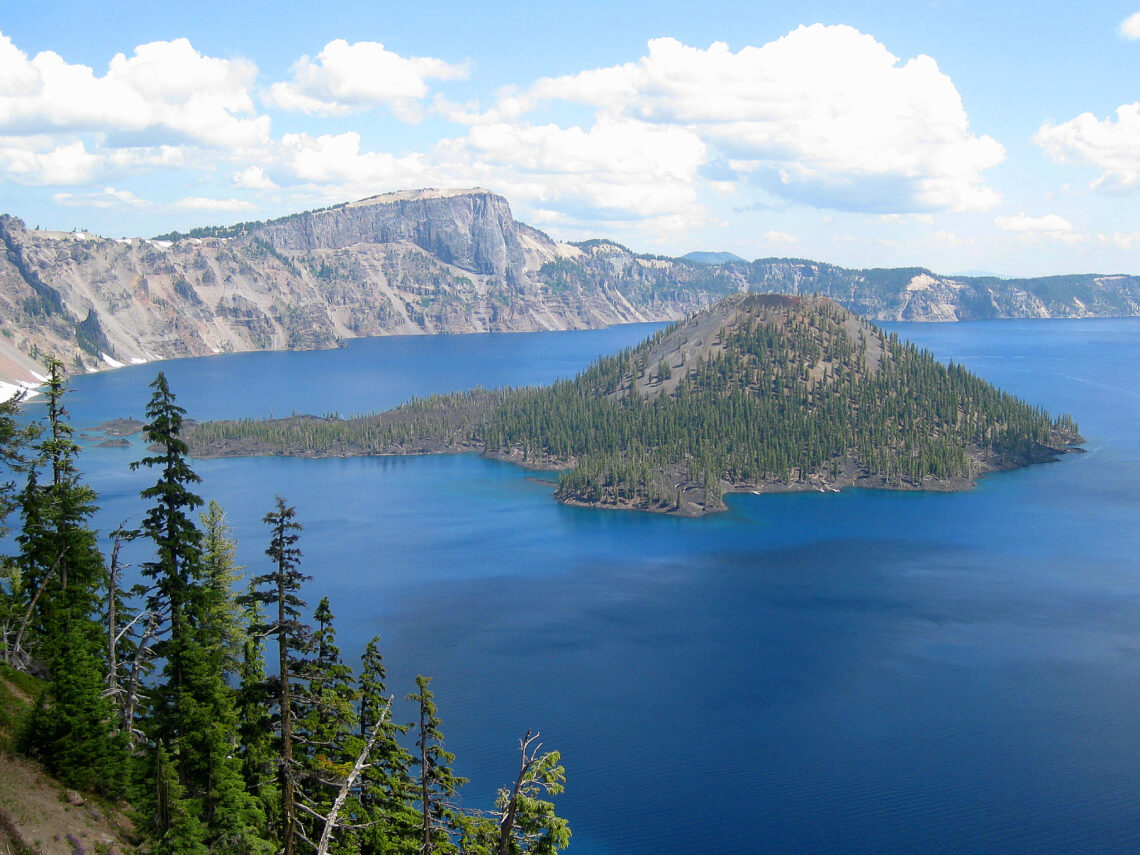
{"points": [[14, 657], [357, 768]]}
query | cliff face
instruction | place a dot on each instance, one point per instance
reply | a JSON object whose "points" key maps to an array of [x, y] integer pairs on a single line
{"points": [[473, 231], [426, 261]]}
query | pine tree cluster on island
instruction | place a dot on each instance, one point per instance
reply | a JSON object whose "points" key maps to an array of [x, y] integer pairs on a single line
{"points": [[159, 694], [757, 392]]}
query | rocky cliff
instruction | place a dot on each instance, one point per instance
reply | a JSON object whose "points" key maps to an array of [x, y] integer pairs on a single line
{"points": [[426, 261]]}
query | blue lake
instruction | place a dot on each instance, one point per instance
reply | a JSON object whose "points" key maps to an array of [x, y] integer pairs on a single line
{"points": [[855, 672]]}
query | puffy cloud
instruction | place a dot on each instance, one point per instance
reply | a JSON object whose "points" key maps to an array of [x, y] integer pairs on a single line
{"points": [[166, 92], [1130, 27], [623, 167], [336, 159], [1111, 146], [1033, 229], [1121, 240], [781, 238], [64, 164], [253, 178], [347, 77], [824, 115]]}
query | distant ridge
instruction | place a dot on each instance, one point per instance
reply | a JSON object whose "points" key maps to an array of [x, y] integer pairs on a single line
{"points": [[711, 257], [425, 261]]}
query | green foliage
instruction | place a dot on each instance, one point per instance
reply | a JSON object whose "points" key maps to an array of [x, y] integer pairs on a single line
{"points": [[195, 713], [69, 727], [794, 391], [256, 769], [437, 782], [14, 441], [18, 691]]}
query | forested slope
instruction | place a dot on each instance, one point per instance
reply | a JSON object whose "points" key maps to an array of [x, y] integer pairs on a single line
{"points": [[759, 392]]}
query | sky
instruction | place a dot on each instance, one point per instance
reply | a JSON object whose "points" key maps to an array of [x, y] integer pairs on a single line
{"points": [[965, 137]]}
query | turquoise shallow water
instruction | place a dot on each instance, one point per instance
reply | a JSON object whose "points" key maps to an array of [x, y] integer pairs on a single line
{"points": [[854, 672]]}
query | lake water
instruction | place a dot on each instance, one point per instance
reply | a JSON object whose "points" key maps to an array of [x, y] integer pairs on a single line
{"points": [[856, 672]]}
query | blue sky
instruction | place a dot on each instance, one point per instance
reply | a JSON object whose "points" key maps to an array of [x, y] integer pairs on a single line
{"points": [[960, 136]]}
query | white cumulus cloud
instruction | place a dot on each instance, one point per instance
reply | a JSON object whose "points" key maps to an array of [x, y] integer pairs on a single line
{"points": [[1047, 227], [781, 238], [1112, 146], [166, 92], [825, 115], [1121, 240], [345, 78], [1130, 27], [65, 164], [253, 178]]}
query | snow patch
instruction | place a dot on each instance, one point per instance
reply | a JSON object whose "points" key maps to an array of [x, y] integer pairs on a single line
{"points": [[7, 390], [138, 360], [114, 363]]}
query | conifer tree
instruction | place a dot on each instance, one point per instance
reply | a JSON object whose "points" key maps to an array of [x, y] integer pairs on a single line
{"points": [[279, 591], [195, 719], [256, 747], [177, 567], [70, 726], [326, 723], [387, 792], [437, 783]]}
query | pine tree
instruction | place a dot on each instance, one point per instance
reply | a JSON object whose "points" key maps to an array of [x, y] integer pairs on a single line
{"points": [[279, 590], [256, 747], [437, 783], [195, 716], [177, 568], [70, 726], [326, 723], [391, 825]]}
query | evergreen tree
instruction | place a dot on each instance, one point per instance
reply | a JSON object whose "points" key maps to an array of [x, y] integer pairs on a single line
{"points": [[177, 568], [391, 826], [326, 724], [195, 715], [70, 726], [256, 746], [279, 590], [437, 783], [221, 577]]}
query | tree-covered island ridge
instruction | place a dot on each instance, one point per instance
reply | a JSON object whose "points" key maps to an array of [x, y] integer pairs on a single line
{"points": [[757, 393]]}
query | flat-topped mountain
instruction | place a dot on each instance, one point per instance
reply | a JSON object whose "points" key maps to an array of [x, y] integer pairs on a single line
{"points": [[426, 261], [759, 392]]}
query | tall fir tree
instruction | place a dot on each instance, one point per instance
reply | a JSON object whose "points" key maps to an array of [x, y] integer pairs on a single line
{"points": [[279, 590], [257, 747], [437, 782], [389, 823], [71, 724], [195, 716]]}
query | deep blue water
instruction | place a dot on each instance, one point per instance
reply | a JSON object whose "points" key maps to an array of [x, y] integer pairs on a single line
{"points": [[856, 672]]}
